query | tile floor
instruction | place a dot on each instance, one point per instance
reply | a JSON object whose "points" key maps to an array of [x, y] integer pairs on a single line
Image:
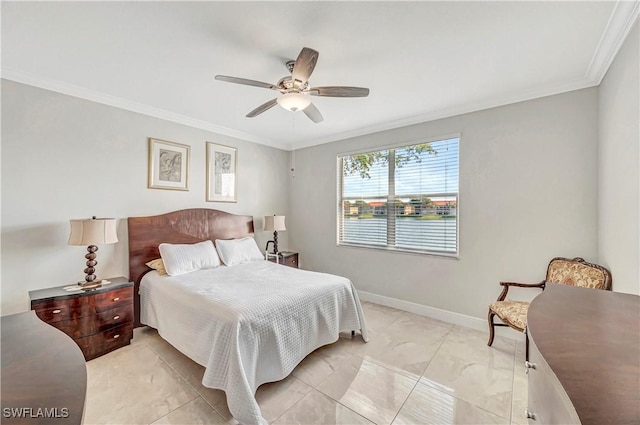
{"points": [[414, 370]]}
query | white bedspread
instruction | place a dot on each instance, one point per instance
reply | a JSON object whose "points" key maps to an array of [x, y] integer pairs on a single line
{"points": [[249, 324]]}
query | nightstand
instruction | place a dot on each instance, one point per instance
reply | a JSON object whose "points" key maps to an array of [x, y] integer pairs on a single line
{"points": [[99, 320], [287, 258]]}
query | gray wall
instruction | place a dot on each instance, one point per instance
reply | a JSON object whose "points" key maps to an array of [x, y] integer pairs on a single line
{"points": [[64, 158], [619, 162], [528, 192]]}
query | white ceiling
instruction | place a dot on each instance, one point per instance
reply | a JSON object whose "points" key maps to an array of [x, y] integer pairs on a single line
{"points": [[421, 60]]}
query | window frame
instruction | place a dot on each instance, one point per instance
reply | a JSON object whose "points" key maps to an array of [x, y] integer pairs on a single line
{"points": [[391, 192]]}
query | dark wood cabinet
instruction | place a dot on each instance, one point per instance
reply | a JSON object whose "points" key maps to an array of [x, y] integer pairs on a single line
{"points": [[99, 320], [583, 357], [287, 258]]}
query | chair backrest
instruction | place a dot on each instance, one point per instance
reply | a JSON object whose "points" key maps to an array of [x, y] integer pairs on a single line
{"points": [[577, 272]]}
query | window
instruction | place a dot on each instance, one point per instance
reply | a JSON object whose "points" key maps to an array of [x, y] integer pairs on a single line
{"points": [[403, 198]]}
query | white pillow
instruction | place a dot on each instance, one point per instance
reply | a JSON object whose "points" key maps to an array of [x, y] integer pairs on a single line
{"points": [[238, 251], [185, 258]]}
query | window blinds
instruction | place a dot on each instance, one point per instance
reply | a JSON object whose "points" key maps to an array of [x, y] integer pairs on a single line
{"points": [[404, 198]]}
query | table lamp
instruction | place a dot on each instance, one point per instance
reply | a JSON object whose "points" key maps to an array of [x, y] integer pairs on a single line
{"points": [[275, 223], [92, 231]]}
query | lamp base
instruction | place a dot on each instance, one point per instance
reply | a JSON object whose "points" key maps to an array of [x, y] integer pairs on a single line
{"points": [[275, 242], [91, 267]]}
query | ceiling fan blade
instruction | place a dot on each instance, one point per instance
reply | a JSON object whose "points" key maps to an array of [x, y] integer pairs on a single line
{"points": [[313, 113], [304, 65], [245, 82], [264, 107], [338, 91]]}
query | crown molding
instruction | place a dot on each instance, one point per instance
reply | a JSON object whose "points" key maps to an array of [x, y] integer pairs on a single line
{"points": [[624, 15], [466, 108], [94, 96], [105, 99]]}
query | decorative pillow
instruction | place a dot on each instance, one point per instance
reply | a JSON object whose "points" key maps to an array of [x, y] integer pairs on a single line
{"points": [[238, 251], [158, 266], [186, 258]]}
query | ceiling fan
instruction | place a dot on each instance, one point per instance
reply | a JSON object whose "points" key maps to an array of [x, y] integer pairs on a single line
{"points": [[295, 88]]}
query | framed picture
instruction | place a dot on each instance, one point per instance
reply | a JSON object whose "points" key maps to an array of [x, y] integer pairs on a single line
{"points": [[168, 165], [221, 173]]}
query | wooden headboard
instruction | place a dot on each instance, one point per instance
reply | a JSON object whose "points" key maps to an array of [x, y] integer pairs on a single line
{"points": [[184, 226]]}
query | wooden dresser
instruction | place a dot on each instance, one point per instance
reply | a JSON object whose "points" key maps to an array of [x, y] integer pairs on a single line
{"points": [[44, 376], [99, 320], [584, 357]]}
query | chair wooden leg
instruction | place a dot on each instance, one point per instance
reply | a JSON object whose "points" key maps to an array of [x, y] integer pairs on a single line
{"points": [[491, 327]]}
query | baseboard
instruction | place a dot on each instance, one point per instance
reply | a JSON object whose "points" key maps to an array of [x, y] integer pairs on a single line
{"points": [[438, 314]]}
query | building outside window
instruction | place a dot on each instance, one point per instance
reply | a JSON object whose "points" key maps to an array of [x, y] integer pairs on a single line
{"points": [[402, 198]]}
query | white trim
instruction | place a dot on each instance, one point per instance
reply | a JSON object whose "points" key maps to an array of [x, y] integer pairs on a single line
{"points": [[95, 96], [452, 112], [438, 314], [624, 15], [105, 99]]}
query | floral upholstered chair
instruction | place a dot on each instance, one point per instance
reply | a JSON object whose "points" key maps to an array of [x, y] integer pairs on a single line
{"points": [[575, 272]]}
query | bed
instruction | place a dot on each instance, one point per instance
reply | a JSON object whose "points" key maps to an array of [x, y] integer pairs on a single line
{"points": [[247, 324]]}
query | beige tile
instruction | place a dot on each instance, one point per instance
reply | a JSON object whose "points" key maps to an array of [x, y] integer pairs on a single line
{"points": [[192, 372], [322, 363], [378, 317], [187, 368], [144, 334], [196, 412], [218, 400], [468, 369], [520, 393], [520, 354], [477, 340], [369, 389], [415, 325], [427, 405], [277, 397], [133, 385], [316, 408], [408, 344]]}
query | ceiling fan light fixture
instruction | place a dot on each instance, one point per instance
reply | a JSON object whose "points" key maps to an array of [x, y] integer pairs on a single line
{"points": [[294, 101]]}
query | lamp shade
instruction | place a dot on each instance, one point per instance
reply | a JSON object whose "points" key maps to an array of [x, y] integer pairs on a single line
{"points": [[274, 222], [93, 231], [294, 101]]}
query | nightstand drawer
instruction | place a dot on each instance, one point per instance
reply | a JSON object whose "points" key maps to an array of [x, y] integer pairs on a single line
{"points": [[115, 317], [103, 342], [291, 261], [89, 325], [52, 311], [112, 299], [286, 258]]}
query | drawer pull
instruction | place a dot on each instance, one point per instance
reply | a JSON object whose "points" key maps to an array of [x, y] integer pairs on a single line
{"points": [[116, 299], [116, 336], [529, 414], [56, 311], [528, 365], [116, 317]]}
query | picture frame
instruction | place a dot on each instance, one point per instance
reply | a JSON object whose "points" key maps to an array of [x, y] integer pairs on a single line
{"points": [[168, 165], [222, 178]]}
